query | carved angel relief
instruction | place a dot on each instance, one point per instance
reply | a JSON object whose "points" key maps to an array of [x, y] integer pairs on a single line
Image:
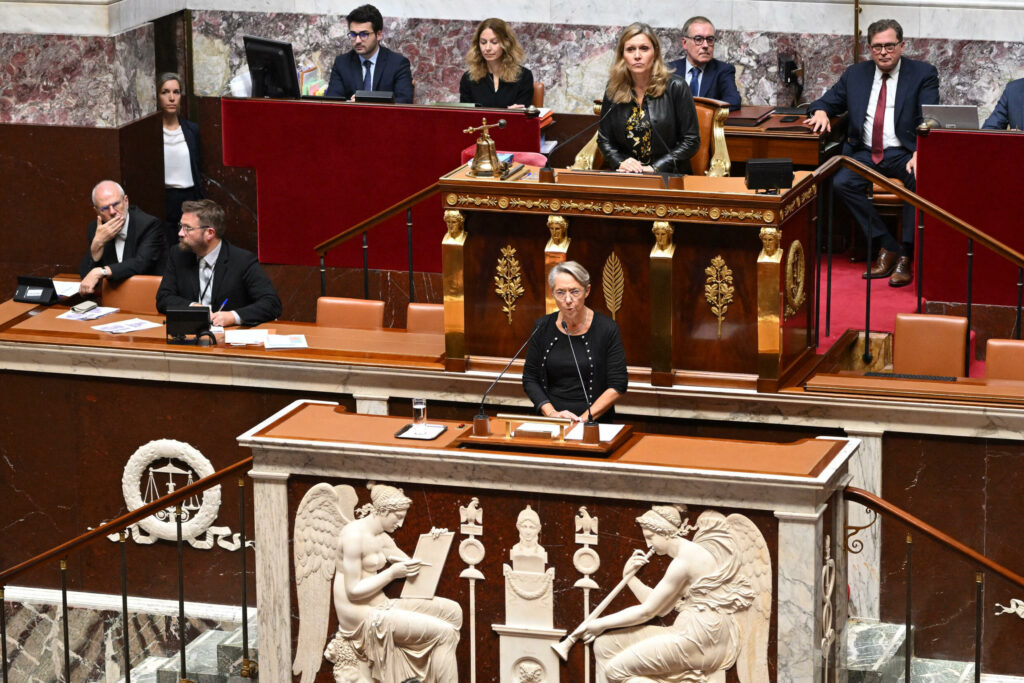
{"points": [[378, 639]]}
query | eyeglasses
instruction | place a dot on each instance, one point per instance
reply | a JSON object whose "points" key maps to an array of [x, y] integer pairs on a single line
{"points": [[561, 294], [363, 35], [108, 207], [189, 228], [700, 40], [884, 47]]}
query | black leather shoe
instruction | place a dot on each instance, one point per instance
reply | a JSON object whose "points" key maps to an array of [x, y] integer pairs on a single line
{"points": [[884, 266], [904, 273]]}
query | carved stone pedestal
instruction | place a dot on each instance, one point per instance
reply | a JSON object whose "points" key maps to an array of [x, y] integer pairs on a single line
{"points": [[526, 654]]}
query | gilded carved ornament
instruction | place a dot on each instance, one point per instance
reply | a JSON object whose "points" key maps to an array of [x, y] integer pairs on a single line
{"points": [[796, 278], [560, 239], [613, 283], [456, 223], [508, 283], [718, 289], [663, 246]]}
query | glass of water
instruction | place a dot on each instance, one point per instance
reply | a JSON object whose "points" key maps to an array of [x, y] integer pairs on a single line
{"points": [[419, 415]]}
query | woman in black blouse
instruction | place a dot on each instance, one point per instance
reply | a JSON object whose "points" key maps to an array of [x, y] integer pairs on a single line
{"points": [[648, 120], [550, 377], [496, 76]]}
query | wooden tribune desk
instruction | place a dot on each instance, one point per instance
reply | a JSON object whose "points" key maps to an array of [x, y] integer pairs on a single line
{"points": [[729, 300], [775, 139], [792, 493]]}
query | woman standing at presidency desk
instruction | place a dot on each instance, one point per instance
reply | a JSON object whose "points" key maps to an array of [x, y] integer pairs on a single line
{"points": [[648, 124], [550, 377], [496, 76], [182, 181]]}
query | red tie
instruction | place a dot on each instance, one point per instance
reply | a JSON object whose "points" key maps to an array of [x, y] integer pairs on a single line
{"points": [[878, 125]]}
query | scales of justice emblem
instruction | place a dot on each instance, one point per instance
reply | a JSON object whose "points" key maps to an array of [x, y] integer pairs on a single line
{"points": [[171, 465]]}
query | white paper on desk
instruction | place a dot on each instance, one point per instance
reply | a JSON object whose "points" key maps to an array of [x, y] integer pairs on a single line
{"points": [[607, 432], [130, 325], [65, 288], [97, 312], [432, 550], [537, 429], [285, 341], [245, 337]]}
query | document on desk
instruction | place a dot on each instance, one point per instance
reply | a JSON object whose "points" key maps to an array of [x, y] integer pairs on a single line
{"points": [[65, 288], [97, 312], [125, 326], [607, 432], [245, 337], [432, 551], [285, 341]]}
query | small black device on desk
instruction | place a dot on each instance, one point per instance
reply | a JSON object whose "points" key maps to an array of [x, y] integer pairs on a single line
{"points": [[188, 325], [35, 290]]}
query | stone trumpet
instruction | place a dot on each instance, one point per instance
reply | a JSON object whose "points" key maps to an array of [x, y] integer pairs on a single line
{"points": [[563, 647]]}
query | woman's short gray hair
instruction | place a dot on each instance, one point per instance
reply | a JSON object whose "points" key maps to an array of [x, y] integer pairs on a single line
{"points": [[571, 268]]}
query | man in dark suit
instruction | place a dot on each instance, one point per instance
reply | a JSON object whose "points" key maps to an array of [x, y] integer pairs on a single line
{"points": [[1009, 111], [123, 240], [884, 98], [207, 270], [707, 76], [369, 65]]}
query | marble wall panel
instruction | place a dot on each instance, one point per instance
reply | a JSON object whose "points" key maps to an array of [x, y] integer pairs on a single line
{"points": [[572, 60], [77, 80]]}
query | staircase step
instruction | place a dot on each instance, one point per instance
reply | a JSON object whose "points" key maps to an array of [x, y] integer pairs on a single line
{"points": [[146, 670], [940, 671], [200, 658], [229, 651], [875, 651]]}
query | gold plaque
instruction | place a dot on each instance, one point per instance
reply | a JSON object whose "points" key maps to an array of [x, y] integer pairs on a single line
{"points": [[452, 199], [508, 280], [718, 289]]}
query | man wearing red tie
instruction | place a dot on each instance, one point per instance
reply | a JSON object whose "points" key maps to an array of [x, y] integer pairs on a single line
{"points": [[883, 98]]}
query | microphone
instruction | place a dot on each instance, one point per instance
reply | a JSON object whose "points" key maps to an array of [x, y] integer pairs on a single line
{"points": [[481, 425], [587, 129], [654, 128], [591, 430]]}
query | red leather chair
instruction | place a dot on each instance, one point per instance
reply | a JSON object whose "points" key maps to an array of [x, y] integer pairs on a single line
{"points": [[1004, 359], [360, 314], [425, 318], [929, 344]]}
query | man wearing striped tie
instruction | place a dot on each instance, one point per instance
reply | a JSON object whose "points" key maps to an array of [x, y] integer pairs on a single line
{"points": [[707, 76], [884, 98]]}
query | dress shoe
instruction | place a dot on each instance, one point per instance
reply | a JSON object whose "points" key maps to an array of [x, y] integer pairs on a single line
{"points": [[904, 273], [884, 266]]}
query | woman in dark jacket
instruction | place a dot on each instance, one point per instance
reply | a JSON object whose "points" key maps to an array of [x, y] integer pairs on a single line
{"points": [[182, 180], [550, 377], [496, 76], [649, 123]]}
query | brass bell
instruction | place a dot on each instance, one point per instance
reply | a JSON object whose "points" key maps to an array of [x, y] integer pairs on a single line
{"points": [[485, 162]]}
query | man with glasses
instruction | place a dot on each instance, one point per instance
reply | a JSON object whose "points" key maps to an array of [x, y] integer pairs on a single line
{"points": [[369, 65], [707, 76], [207, 270], [123, 240], [884, 98]]}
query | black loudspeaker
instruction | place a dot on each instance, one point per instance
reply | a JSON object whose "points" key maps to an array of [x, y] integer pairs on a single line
{"points": [[769, 175], [35, 290], [189, 324]]}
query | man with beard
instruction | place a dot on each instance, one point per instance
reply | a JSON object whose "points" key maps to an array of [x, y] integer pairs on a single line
{"points": [[207, 270]]}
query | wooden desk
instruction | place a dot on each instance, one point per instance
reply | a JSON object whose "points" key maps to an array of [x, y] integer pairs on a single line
{"points": [[791, 492], [963, 390], [775, 139]]}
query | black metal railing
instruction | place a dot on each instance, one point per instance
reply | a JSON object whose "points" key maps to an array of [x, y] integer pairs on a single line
{"points": [[118, 526]]}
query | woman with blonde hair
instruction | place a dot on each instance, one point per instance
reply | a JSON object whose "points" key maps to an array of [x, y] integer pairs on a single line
{"points": [[495, 76], [649, 123]]}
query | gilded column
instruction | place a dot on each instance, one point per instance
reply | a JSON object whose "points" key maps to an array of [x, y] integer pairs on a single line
{"points": [[555, 252], [454, 285], [769, 304], [661, 304]]}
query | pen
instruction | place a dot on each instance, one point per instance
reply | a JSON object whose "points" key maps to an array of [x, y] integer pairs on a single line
{"points": [[222, 305]]}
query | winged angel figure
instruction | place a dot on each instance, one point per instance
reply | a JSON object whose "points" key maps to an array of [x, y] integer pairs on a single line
{"points": [[378, 639], [720, 585]]}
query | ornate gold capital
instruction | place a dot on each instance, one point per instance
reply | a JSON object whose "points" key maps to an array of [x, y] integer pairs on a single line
{"points": [[456, 223], [770, 239], [560, 239], [663, 246]]}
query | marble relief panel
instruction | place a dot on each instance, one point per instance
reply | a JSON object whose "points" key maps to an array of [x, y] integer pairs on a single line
{"points": [[89, 81], [573, 60]]}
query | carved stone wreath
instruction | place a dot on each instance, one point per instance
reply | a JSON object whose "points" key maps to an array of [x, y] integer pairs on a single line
{"points": [[796, 277]]}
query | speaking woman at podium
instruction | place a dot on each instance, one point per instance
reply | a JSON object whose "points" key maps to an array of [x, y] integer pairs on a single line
{"points": [[648, 121], [551, 377], [496, 76]]}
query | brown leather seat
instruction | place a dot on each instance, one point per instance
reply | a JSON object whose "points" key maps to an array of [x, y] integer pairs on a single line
{"points": [[137, 294], [1004, 359], [929, 344], [712, 157], [361, 314], [425, 318], [538, 95]]}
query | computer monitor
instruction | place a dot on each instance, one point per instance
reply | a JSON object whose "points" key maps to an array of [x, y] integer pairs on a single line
{"points": [[272, 67], [955, 116]]}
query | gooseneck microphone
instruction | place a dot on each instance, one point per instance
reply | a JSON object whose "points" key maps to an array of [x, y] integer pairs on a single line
{"points": [[586, 129], [583, 386], [480, 422]]}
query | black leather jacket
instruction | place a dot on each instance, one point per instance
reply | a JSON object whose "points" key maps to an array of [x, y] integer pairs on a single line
{"points": [[675, 136]]}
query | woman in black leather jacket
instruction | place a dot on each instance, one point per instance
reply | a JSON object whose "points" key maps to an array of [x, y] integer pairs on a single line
{"points": [[649, 123]]}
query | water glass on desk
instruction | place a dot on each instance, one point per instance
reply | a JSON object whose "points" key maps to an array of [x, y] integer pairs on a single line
{"points": [[419, 415]]}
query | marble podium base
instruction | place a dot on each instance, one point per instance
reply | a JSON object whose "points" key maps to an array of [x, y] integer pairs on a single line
{"points": [[526, 651]]}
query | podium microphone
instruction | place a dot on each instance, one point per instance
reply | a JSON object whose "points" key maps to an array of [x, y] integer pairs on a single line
{"points": [[590, 429], [481, 423]]}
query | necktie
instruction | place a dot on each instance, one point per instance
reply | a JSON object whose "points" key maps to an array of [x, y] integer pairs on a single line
{"points": [[694, 82], [878, 125], [367, 83], [205, 277]]}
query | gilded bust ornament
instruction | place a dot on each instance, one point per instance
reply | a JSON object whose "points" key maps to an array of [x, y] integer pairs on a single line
{"points": [[456, 223], [560, 239], [663, 246]]}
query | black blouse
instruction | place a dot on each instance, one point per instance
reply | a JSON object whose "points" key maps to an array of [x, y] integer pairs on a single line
{"points": [[482, 92], [549, 374]]}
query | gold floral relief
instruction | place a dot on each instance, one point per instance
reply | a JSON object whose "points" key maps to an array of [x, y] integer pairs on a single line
{"points": [[508, 280], [718, 289], [613, 282], [796, 278]]}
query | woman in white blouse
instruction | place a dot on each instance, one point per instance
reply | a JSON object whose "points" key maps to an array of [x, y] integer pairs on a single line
{"points": [[182, 180]]}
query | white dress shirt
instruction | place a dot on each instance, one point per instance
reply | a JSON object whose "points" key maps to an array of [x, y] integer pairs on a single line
{"points": [[889, 138]]}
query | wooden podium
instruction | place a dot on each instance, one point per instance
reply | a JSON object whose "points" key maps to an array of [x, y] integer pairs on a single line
{"points": [[709, 282]]}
